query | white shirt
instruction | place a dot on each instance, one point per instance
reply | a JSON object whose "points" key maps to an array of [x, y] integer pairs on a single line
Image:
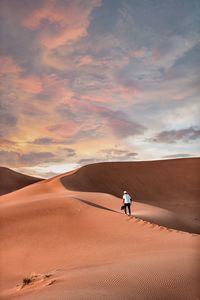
{"points": [[127, 198]]}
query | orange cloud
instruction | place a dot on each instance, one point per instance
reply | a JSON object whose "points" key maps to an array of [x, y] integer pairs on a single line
{"points": [[9, 66], [30, 85], [47, 12], [6, 143], [99, 99], [129, 91], [71, 21], [86, 60], [65, 36], [67, 129], [56, 88]]}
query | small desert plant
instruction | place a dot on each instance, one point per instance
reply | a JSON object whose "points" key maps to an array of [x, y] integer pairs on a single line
{"points": [[26, 281], [34, 278]]}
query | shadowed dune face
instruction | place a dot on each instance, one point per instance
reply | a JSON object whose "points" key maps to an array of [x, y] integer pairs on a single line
{"points": [[170, 184], [11, 180]]}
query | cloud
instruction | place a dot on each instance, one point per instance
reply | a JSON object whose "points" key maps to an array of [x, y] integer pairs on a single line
{"points": [[124, 128], [9, 158], [70, 152], [56, 88], [120, 124], [172, 136], [112, 122], [65, 111], [86, 60], [108, 122], [139, 53], [117, 154], [110, 155], [87, 161], [51, 41], [66, 129], [46, 170], [67, 23], [9, 66], [36, 157], [30, 84], [14, 77], [127, 87], [84, 134], [106, 98], [5, 142], [44, 141], [8, 118], [93, 74], [25, 159], [170, 50]]}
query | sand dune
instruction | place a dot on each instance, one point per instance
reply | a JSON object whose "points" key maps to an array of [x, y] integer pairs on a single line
{"points": [[171, 184], [79, 245], [11, 180]]}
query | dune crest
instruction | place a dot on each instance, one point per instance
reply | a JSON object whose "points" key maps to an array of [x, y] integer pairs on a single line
{"points": [[169, 184]]}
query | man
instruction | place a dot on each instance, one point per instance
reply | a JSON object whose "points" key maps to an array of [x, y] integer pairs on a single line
{"points": [[127, 202]]}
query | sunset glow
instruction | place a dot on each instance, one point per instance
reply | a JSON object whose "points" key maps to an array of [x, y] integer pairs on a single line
{"points": [[87, 81]]}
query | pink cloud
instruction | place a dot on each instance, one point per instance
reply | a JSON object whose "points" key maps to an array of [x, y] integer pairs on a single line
{"points": [[67, 129], [115, 122], [127, 88], [123, 128], [104, 61], [30, 84], [139, 53], [47, 12], [6, 142], [71, 21], [156, 54], [65, 36], [129, 91], [86, 60], [86, 106], [9, 66], [56, 87], [106, 98]]}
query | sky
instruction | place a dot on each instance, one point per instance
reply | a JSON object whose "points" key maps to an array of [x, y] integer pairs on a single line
{"points": [[85, 81]]}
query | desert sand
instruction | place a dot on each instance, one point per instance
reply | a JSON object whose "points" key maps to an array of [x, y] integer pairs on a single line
{"points": [[11, 180], [69, 236]]}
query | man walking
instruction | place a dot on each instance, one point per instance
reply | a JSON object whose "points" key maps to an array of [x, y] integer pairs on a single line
{"points": [[127, 202]]}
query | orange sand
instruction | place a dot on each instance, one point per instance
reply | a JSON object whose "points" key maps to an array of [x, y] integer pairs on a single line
{"points": [[90, 249], [171, 184]]}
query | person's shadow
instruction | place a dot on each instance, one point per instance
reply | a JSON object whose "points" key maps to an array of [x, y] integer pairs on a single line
{"points": [[96, 205]]}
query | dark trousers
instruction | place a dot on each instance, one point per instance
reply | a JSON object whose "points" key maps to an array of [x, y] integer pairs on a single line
{"points": [[129, 208]]}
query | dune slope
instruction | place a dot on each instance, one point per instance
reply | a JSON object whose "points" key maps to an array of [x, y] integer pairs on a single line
{"points": [[79, 245], [171, 184], [11, 180]]}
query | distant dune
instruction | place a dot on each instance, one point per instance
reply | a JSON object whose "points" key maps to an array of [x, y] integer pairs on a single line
{"points": [[79, 244], [11, 180], [171, 184]]}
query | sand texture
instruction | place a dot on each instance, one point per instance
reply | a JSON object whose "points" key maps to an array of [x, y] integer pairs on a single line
{"points": [[70, 238]]}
